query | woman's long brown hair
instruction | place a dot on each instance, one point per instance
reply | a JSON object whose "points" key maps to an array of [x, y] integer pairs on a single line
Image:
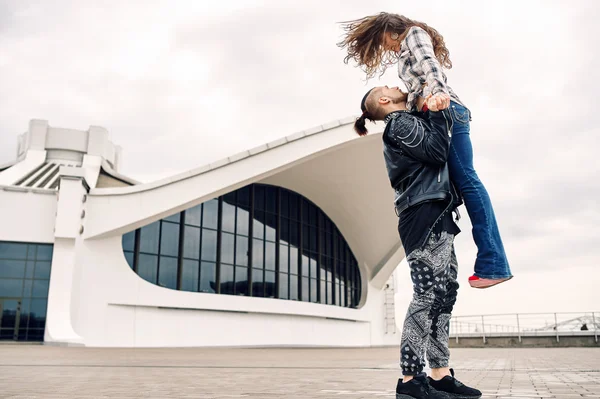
{"points": [[364, 37]]}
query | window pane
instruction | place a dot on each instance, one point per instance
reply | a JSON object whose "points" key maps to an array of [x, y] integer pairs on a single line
{"points": [[257, 254], [31, 251], [9, 315], [285, 208], [149, 238], [313, 290], [259, 197], [241, 280], [270, 227], [312, 209], [227, 248], [269, 284], [35, 335], [13, 251], [323, 289], [167, 272], [11, 287], [294, 233], [305, 212], [328, 225], [191, 242], [241, 251], [258, 226], [284, 286], [270, 255], [284, 233], [169, 239], [284, 254], [189, 275], [129, 241], [329, 295], [44, 252], [25, 304], [38, 311], [313, 267], [343, 294], [227, 279], [305, 238], [147, 267], [230, 198], [228, 218], [293, 287], [27, 284], [208, 277], [29, 267], [176, 218], [193, 216], [210, 214], [209, 245], [293, 260], [257, 283], [305, 265], [294, 208], [243, 222], [243, 196], [42, 269], [313, 239], [305, 289], [271, 195], [12, 268], [40, 288]]}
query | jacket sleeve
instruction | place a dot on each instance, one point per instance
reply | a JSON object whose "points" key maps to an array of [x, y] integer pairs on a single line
{"points": [[420, 45], [424, 140]]}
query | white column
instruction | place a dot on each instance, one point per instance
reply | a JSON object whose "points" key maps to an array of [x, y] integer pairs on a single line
{"points": [[68, 228]]}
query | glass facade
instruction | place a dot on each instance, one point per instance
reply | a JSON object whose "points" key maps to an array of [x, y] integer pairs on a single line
{"points": [[24, 282], [260, 240]]}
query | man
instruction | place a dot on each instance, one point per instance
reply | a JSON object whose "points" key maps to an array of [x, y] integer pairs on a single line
{"points": [[416, 148]]}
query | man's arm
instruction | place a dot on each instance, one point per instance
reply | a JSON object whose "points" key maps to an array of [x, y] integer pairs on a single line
{"points": [[426, 141]]}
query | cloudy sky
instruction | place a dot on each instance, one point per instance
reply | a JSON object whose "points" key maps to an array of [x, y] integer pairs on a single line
{"points": [[182, 83]]}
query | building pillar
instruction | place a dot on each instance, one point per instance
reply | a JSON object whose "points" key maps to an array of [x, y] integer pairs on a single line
{"points": [[72, 194]]}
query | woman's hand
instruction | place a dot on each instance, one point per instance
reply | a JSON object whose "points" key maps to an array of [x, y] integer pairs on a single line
{"points": [[438, 102]]}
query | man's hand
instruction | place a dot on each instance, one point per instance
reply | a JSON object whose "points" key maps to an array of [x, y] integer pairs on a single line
{"points": [[438, 102]]}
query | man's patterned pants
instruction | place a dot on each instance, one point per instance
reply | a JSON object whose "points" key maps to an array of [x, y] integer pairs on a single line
{"points": [[433, 269]]}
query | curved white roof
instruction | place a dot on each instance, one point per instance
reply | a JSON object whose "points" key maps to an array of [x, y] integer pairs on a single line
{"points": [[330, 165]]}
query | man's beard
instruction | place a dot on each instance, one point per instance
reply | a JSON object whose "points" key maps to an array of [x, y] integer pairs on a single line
{"points": [[399, 99]]}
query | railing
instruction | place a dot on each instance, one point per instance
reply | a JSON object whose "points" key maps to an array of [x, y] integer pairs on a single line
{"points": [[526, 324]]}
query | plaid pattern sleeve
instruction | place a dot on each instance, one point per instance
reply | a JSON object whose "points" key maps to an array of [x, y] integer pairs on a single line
{"points": [[420, 45]]}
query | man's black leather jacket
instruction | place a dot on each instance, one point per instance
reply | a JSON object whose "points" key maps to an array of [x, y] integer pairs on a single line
{"points": [[416, 148]]}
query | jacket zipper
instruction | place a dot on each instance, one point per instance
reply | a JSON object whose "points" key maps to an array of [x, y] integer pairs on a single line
{"points": [[449, 128]]}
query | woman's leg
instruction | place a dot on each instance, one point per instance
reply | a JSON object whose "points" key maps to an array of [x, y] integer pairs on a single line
{"points": [[491, 259], [429, 270]]}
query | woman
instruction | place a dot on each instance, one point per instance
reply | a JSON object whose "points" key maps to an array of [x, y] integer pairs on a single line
{"points": [[378, 41]]}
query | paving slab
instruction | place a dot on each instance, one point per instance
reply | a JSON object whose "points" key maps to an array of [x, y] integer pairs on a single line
{"points": [[36, 372]]}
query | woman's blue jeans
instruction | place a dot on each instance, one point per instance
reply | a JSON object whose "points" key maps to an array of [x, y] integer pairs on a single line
{"points": [[491, 259]]}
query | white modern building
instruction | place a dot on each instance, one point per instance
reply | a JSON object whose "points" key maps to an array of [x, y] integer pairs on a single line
{"points": [[292, 243]]}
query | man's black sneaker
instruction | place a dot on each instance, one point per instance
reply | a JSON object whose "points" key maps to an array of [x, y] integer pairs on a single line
{"points": [[418, 388], [454, 388]]}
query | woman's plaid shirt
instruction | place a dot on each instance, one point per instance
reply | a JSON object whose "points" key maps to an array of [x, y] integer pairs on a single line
{"points": [[418, 65]]}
